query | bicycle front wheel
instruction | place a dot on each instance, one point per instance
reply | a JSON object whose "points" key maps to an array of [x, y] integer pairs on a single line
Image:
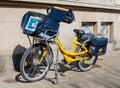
{"points": [[35, 62]]}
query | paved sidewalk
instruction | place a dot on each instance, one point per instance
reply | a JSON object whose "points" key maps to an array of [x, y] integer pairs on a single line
{"points": [[106, 74]]}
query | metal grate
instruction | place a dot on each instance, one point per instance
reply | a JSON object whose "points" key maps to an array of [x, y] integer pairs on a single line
{"points": [[107, 30], [89, 27]]}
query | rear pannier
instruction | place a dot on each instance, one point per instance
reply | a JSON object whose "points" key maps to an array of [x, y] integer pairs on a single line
{"points": [[98, 46]]}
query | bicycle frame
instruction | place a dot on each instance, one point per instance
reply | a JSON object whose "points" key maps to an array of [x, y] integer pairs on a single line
{"points": [[72, 56]]}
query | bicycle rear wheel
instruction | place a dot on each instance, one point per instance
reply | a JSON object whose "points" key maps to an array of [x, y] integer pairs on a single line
{"points": [[35, 62], [85, 65]]}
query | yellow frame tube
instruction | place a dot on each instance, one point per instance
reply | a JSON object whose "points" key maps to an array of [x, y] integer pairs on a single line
{"points": [[69, 55], [44, 53]]}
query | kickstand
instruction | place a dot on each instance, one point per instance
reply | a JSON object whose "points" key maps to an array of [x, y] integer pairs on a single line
{"points": [[55, 80]]}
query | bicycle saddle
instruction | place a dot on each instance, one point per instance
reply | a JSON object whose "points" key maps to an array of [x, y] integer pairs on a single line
{"points": [[79, 32]]}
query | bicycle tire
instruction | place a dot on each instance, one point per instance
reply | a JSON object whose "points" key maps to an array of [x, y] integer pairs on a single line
{"points": [[85, 66], [32, 71]]}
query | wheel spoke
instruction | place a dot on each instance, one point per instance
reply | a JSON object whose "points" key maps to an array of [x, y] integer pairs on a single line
{"points": [[33, 71], [28, 70]]}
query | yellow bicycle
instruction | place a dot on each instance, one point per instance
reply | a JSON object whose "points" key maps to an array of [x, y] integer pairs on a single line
{"points": [[37, 59]]}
